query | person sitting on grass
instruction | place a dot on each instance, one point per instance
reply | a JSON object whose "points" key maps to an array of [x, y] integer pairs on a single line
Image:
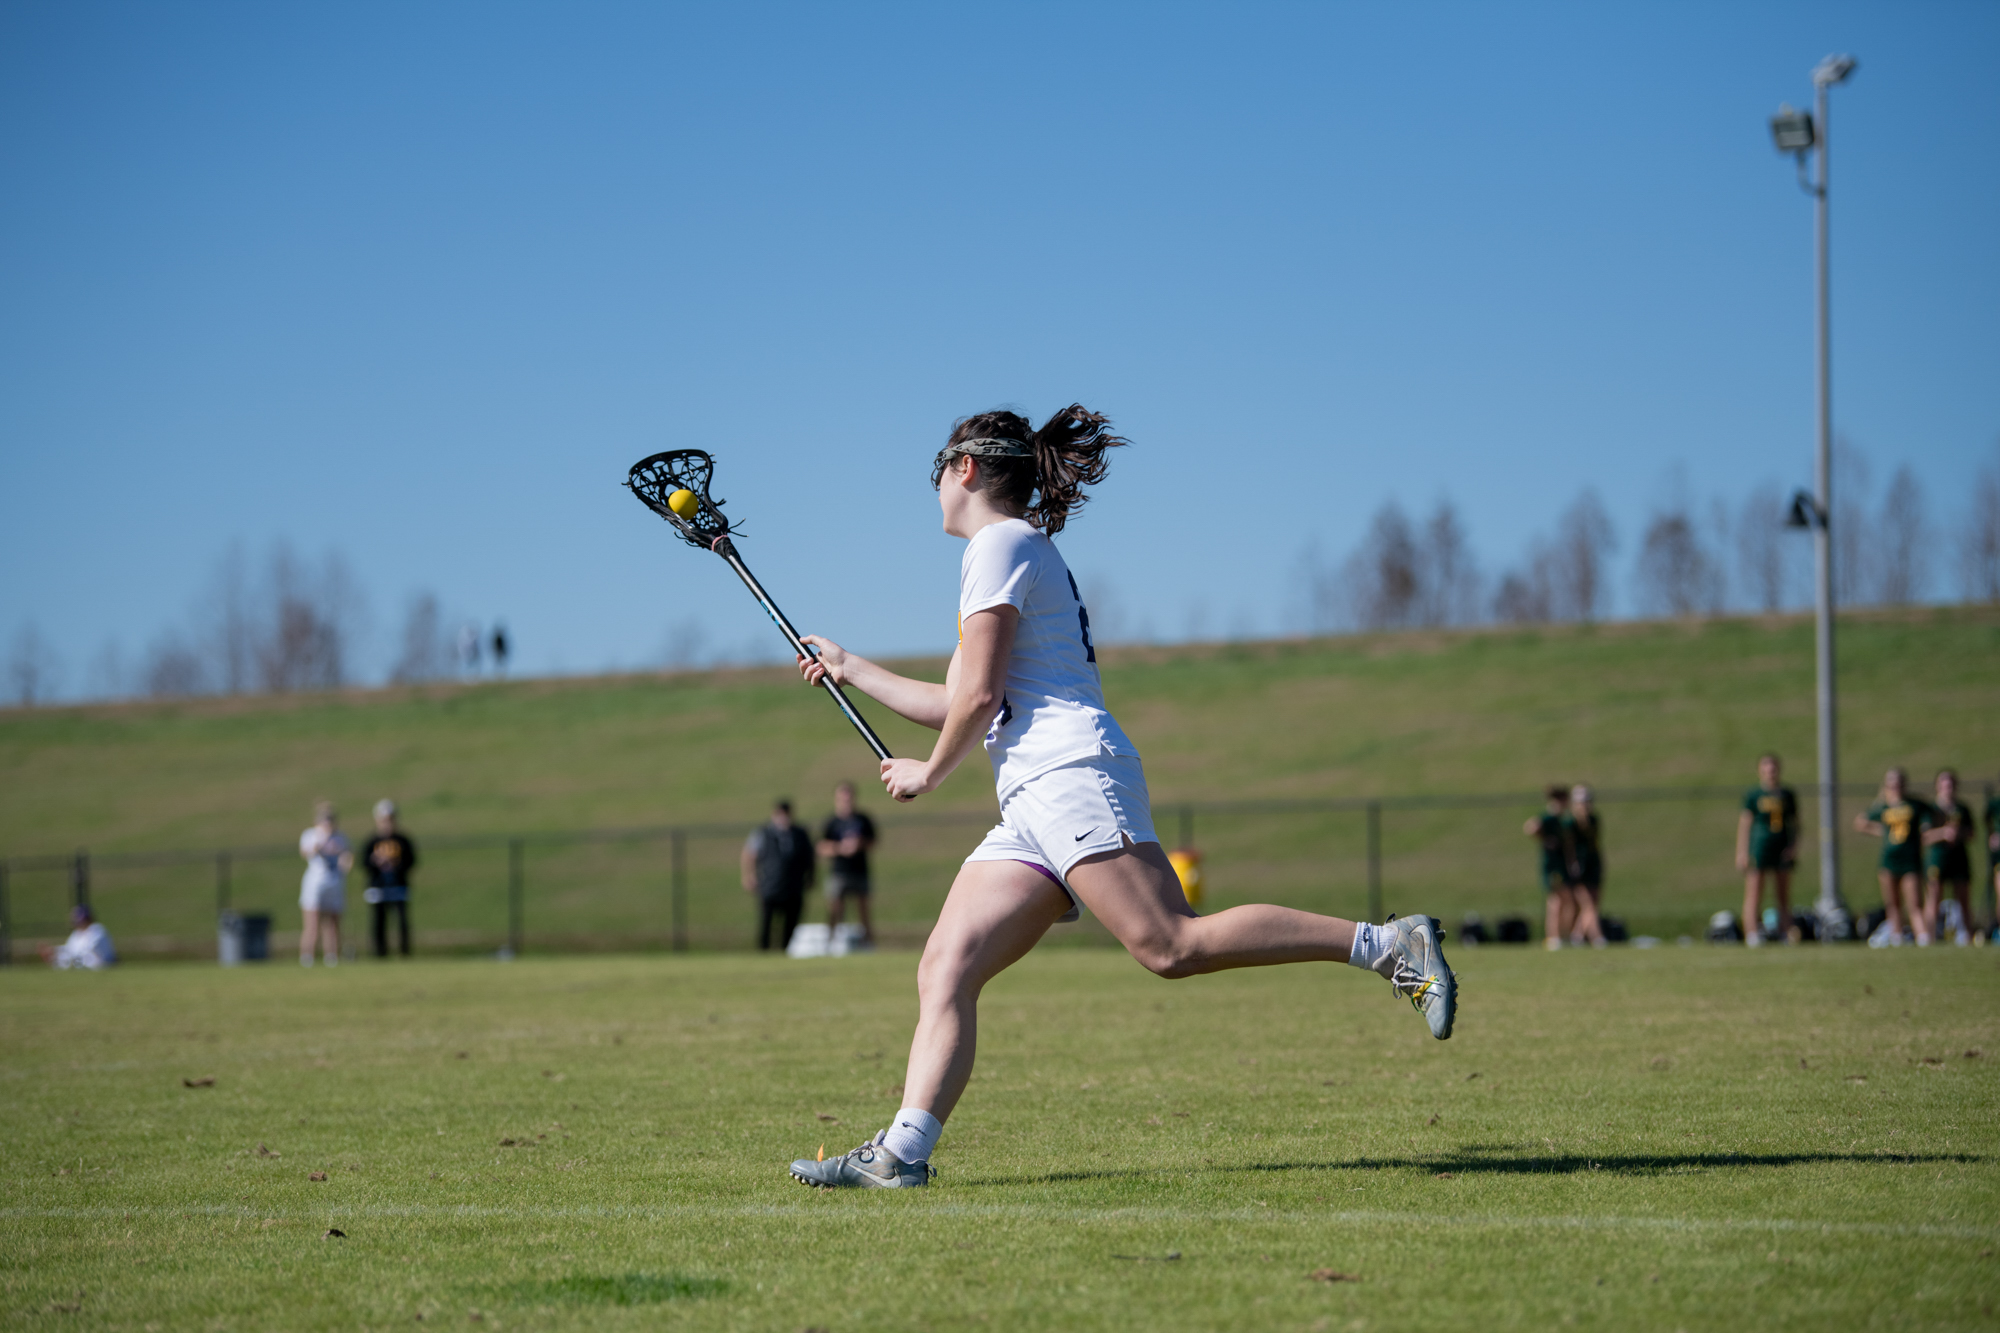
{"points": [[1895, 819], [1767, 841], [1076, 826], [1948, 831], [88, 945], [1546, 828], [1583, 837]]}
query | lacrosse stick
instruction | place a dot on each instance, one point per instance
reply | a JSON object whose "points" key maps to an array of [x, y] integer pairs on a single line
{"points": [[700, 522]]}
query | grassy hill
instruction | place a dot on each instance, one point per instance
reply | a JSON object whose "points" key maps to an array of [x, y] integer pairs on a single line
{"points": [[1492, 710]]}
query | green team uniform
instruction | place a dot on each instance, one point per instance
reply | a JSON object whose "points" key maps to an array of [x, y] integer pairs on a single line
{"points": [[1992, 827], [1951, 862], [1902, 846], [1585, 850], [1774, 827], [1555, 862]]}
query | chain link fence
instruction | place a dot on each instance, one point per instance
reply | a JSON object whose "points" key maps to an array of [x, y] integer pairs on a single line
{"points": [[1669, 854]]}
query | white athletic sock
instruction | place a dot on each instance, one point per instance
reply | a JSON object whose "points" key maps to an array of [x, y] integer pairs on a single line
{"points": [[1370, 943], [913, 1135]]}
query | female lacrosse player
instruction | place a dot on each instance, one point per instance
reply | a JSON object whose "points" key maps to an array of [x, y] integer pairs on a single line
{"points": [[1547, 829], [1948, 832], [1896, 819], [1583, 832], [1075, 828]]}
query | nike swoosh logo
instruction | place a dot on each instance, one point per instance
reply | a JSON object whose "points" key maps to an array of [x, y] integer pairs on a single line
{"points": [[1086, 833]]}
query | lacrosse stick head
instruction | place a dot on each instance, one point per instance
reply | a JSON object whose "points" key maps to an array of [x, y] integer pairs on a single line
{"points": [[654, 480]]}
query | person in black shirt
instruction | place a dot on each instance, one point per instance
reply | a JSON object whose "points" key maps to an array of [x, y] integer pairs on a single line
{"points": [[778, 868], [844, 842], [389, 857]]}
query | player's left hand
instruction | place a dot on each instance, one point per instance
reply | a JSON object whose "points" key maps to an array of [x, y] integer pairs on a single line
{"points": [[907, 779]]}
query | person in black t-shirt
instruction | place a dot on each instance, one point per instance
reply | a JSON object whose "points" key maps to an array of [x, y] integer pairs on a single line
{"points": [[389, 857], [778, 868], [844, 842]]}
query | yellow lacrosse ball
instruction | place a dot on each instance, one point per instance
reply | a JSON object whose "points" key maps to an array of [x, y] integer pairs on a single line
{"points": [[684, 503]]}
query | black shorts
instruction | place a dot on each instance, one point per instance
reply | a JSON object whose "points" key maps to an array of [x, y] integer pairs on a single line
{"points": [[1771, 854], [846, 886], [1954, 867]]}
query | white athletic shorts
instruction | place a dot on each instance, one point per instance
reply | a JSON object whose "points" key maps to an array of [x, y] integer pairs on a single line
{"points": [[323, 893], [1081, 809]]}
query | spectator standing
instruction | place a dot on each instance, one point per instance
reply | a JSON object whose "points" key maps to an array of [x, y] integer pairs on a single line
{"points": [[1895, 818], [778, 867], [1948, 832], [323, 891], [1547, 829], [1583, 833], [88, 945], [1767, 842], [845, 842], [389, 856], [499, 646]]}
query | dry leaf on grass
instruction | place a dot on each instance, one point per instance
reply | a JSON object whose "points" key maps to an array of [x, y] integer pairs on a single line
{"points": [[1444, 1175], [333, 1233], [1333, 1275], [829, 1119], [205, 1081], [262, 1151], [315, 1175]]}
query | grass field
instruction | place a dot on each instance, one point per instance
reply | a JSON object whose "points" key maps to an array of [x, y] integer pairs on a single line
{"points": [[1494, 710], [1686, 1138]]}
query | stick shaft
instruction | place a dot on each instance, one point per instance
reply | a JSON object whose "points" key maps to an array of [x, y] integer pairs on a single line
{"points": [[727, 550]]}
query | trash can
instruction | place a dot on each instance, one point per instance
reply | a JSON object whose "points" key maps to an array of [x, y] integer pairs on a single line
{"points": [[242, 938]]}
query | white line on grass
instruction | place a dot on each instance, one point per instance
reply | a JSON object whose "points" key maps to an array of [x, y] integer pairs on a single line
{"points": [[1035, 1212]]}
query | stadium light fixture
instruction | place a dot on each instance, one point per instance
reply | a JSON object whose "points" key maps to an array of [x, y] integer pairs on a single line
{"points": [[1805, 134]]}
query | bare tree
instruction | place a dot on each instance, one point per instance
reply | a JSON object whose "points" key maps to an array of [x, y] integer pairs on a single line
{"points": [[1580, 585], [1527, 596], [172, 668], [1853, 542], [1448, 586], [1902, 537], [1762, 566], [1979, 549], [107, 677], [1677, 575], [227, 624], [1381, 582], [34, 672], [687, 644], [426, 650], [306, 640]]}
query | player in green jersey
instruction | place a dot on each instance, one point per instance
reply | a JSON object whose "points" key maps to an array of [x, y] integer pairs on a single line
{"points": [[1547, 829], [1767, 843], [1583, 829], [1992, 860], [1895, 819], [1948, 830]]}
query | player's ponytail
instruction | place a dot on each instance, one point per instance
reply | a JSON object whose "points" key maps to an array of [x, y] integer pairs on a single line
{"points": [[1046, 482]]}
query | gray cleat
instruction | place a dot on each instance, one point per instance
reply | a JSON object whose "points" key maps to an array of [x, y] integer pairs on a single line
{"points": [[871, 1166], [1416, 968]]}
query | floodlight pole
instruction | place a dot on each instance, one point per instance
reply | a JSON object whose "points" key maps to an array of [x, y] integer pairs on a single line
{"points": [[1830, 906]]}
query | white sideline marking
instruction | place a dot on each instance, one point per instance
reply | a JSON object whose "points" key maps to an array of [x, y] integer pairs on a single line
{"points": [[1571, 1222]]}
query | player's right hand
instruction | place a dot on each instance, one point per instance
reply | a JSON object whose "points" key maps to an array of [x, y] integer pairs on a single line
{"points": [[832, 661]]}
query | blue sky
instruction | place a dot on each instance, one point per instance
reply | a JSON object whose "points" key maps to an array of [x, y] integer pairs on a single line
{"points": [[418, 283]]}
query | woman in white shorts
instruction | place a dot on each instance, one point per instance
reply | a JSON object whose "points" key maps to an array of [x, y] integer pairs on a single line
{"points": [[323, 891], [1075, 826]]}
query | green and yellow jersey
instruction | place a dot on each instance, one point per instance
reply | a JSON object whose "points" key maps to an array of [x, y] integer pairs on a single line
{"points": [[1902, 848], [1774, 826], [1952, 861]]}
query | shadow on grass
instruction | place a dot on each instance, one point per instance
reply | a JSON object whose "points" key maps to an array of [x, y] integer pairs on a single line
{"points": [[619, 1289], [1474, 1161]]}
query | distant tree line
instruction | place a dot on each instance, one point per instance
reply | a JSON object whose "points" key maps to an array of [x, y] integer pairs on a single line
{"points": [[1408, 573], [288, 624]]}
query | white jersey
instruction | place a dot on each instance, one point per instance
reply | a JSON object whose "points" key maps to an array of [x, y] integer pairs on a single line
{"points": [[1052, 712]]}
